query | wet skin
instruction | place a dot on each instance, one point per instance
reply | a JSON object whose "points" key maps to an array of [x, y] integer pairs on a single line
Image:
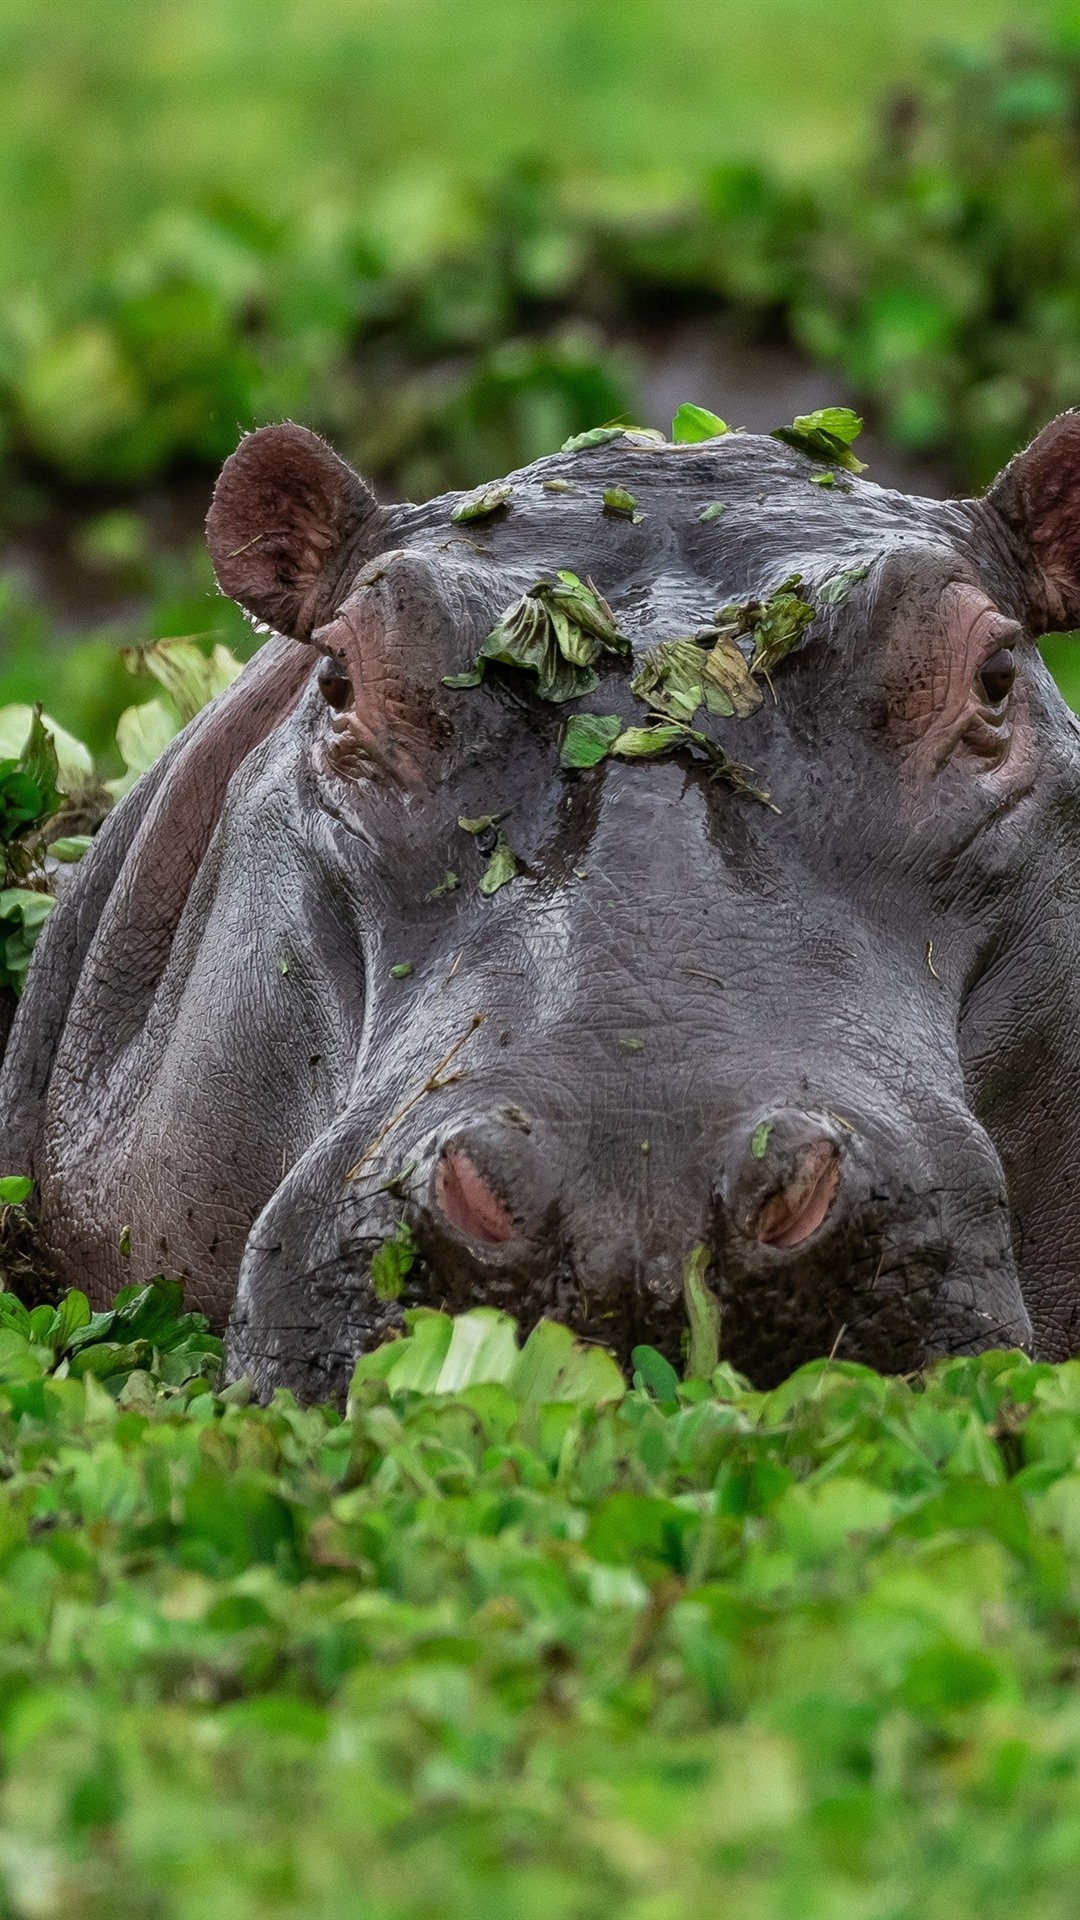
{"points": [[836, 1039]]}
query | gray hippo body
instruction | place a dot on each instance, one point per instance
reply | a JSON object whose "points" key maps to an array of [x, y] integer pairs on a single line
{"points": [[834, 1034]]}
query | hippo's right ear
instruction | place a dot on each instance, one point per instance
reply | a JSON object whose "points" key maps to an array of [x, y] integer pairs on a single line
{"points": [[286, 519], [1038, 496]]}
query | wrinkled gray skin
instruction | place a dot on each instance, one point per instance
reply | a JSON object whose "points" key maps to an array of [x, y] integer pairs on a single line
{"points": [[212, 1051]]}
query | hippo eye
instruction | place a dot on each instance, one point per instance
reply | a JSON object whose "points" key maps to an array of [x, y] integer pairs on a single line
{"points": [[334, 684], [998, 675]]}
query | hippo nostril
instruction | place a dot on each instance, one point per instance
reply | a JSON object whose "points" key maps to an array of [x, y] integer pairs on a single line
{"points": [[797, 1209], [469, 1202]]}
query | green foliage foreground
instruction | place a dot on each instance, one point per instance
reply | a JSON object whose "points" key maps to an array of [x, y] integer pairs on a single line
{"points": [[509, 1640]]}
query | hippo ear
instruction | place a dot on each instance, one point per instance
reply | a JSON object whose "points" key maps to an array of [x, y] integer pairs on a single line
{"points": [[1038, 495], [286, 517]]}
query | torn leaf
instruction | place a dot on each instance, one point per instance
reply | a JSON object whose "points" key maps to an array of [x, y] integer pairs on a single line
{"points": [[557, 631], [559, 486], [588, 737], [470, 678], [826, 434], [823, 479], [759, 1139], [500, 868], [712, 511], [449, 884], [693, 424], [727, 674], [671, 679], [479, 505], [775, 625]]}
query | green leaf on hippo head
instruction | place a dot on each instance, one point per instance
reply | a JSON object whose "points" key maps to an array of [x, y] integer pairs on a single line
{"points": [[559, 486], [586, 606], [619, 500], [834, 591], [393, 1262], [645, 743], [479, 505], [823, 479], [693, 424], [656, 1375], [671, 679], [14, 1189], [587, 738], [448, 884], [781, 622], [471, 677], [481, 823], [593, 437], [759, 1139], [402, 970], [728, 675], [500, 869], [712, 511], [556, 630], [826, 434], [703, 1313]]}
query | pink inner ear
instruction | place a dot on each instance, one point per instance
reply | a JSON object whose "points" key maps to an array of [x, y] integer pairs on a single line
{"points": [[467, 1200]]}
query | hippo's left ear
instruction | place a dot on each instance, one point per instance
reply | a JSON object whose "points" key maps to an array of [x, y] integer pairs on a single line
{"points": [[1038, 496], [287, 519]]}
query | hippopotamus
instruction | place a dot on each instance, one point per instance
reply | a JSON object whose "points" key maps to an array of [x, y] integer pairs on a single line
{"points": [[440, 962]]}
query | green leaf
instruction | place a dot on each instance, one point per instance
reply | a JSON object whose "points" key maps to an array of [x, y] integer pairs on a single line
{"points": [[645, 743], [74, 760], [190, 677], [554, 1367], [472, 677], [142, 735], [393, 1262], [834, 591], [478, 506], [775, 625], [587, 738], [703, 1313], [759, 1139], [448, 884], [500, 869], [712, 512], [826, 434], [692, 424], [23, 914], [823, 479], [593, 437], [14, 1189], [71, 847], [619, 501], [671, 679], [560, 486], [656, 1375], [481, 824], [726, 673], [402, 970], [556, 630]]}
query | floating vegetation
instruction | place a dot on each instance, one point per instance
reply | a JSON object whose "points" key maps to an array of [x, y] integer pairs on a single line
{"points": [[826, 434]]}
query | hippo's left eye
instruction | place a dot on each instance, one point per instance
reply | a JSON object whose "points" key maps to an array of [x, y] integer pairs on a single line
{"points": [[334, 684], [997, 676]]}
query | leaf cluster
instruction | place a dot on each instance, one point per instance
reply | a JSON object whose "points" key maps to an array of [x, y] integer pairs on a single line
{"points": [[511, 1637]]}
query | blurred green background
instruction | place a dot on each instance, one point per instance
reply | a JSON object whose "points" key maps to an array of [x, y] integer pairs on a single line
{"points": [[450, 236]]}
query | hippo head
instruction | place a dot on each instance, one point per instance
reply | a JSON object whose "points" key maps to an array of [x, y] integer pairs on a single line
{"points": [[796, 982]]}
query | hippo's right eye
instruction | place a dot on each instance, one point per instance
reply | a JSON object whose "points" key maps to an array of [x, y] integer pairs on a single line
{"points": [[334, 684], [998, 675]]}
